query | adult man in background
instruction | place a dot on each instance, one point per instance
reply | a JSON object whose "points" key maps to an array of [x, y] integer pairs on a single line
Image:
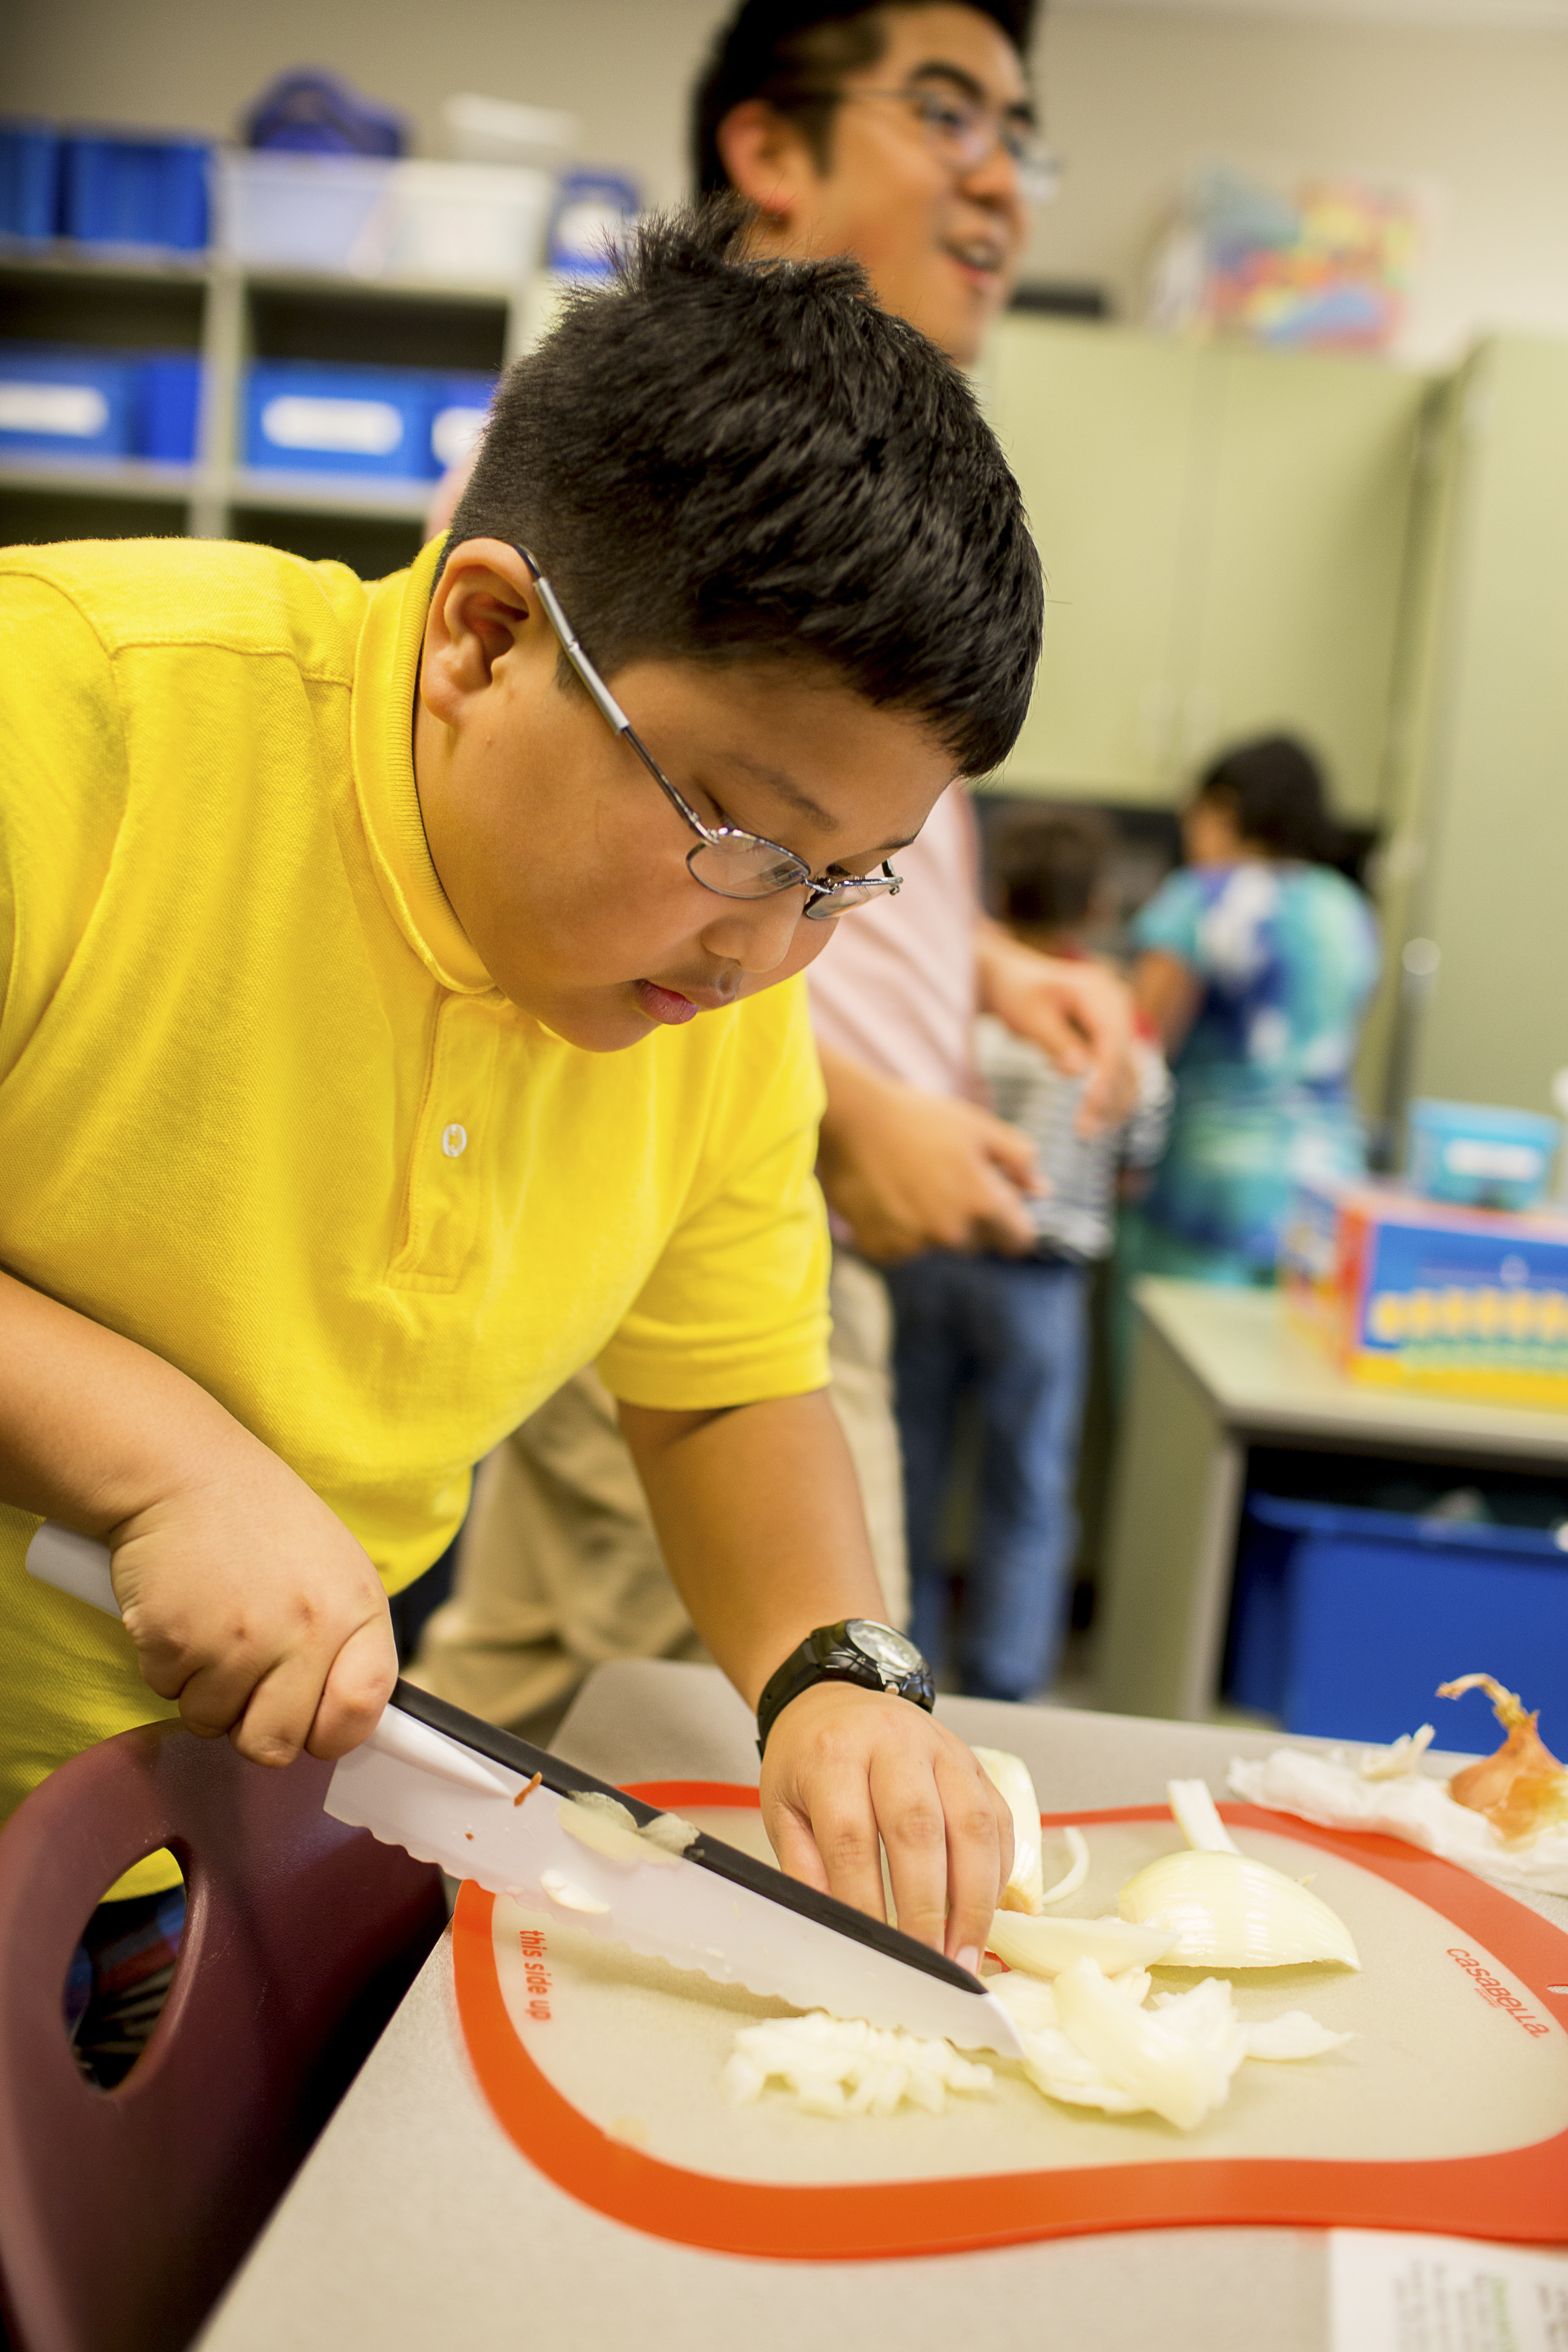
{"points": [[903, 134]]}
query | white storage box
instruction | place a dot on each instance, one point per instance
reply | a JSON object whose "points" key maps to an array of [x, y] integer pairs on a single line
{"points": [[457, 224]]}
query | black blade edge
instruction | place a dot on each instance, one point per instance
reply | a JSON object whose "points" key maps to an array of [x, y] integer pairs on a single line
{"points": [[725, 1861]]}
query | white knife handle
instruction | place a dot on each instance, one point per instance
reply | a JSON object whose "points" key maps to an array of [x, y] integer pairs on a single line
{"points": [[73, 1564], [76, 1565]]}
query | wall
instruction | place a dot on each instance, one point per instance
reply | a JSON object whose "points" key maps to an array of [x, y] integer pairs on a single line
{"points": [[622, 66], [1130, 94]]}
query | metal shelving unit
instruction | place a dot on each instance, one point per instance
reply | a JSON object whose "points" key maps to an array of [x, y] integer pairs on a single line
{"points": [[232, 312]]}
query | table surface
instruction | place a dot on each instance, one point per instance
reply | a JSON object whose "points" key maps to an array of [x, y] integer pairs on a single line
{"points": [[416, 2222], [1263, 1374]]}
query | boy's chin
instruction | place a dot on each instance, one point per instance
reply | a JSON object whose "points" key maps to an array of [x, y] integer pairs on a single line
{"points": [[604, 1021]]}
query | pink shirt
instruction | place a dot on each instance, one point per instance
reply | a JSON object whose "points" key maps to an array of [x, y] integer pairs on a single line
{"points": [[895, 987]]}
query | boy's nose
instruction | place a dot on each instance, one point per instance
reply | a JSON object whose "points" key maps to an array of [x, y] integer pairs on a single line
{"points": [[755, 933]]}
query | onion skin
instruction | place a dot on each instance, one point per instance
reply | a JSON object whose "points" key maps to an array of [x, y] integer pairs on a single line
{"points": [[1521, 1789]]}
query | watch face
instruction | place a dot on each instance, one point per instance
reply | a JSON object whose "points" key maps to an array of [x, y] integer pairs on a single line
{"points": [[885, 1648]]}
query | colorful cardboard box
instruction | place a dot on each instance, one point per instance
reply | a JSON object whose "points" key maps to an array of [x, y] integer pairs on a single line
{"points": [[1409, 1293]]}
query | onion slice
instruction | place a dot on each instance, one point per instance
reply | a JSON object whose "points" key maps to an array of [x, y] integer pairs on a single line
{"points": [[1025, 1890], [1226, 1910], [1043, 1948]]}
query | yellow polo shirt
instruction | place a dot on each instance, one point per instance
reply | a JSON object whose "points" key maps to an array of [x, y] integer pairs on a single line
{"points": [[263, 1110]]}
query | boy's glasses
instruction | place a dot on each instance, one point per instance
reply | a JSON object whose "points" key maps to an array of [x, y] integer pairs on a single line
{"points": [[966, 131], [732, 864]]}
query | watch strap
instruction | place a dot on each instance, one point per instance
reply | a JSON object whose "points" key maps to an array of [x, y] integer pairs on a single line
{"points": [[829, 1655]]}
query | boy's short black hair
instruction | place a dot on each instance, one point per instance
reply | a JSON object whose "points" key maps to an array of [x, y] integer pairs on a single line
{"points": [[1272, 789], [715, 457], [795, 54], [1048, 864]]}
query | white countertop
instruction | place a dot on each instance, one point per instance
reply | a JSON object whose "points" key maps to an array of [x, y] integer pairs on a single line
{"points": [[1262, 1373]]}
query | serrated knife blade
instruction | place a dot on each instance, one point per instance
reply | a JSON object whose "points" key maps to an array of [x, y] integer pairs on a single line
{"points": [[485, 1805]]}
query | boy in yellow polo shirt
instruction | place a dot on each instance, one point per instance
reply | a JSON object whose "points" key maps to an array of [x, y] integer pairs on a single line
{"points": [[391, 1022]]}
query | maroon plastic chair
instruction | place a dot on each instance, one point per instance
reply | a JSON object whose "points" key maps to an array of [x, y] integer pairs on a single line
{"points": [[123, 2213]]}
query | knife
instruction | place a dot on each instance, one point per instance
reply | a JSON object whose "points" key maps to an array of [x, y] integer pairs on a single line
{"points": [[486, 1805]]}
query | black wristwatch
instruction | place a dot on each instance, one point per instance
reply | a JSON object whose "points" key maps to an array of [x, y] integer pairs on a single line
{"points": [[857, 1650]]}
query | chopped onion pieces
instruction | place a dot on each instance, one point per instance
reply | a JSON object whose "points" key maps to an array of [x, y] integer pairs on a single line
{"points": [[838, 2066], [610, 1830]]}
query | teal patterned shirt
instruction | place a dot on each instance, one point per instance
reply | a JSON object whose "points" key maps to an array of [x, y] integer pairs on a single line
{"points": [[1287, 957]]}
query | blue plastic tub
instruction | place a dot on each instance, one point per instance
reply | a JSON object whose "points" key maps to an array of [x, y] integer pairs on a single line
{"points": [[1344, 1622], [120, 190], [30, 180], [1479, 1156], [171, 401], [58, 402], [337, 420]]}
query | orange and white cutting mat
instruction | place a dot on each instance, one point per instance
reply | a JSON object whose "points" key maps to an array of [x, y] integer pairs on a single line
{"points": [[1448, 2110]]}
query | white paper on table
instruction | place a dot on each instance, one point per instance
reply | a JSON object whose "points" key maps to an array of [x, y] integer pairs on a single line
{"points": [[1393, 2293], [1332, 1791]]}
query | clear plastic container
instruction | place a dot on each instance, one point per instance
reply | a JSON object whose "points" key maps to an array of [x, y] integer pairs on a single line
{"points": [[450, 224]]}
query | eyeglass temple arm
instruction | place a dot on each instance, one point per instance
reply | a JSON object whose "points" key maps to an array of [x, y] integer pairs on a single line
{"points": [[573, 651], [604, 698]]}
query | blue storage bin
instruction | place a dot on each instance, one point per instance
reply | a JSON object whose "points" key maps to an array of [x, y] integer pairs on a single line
{"points": [[1345, 1620], [459, 405], [60, 402], [337, 420], [1479, 1156], [171, 403], [120, 190], [30, 180]]}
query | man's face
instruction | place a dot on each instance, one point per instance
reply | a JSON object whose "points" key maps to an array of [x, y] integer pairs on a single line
{"points": [[563, 860], [941, 243]]}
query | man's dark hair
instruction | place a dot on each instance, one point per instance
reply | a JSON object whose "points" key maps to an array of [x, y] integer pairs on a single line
{"points": [[1272, 790], [795, 55], [716, 459], [1048, 864]]}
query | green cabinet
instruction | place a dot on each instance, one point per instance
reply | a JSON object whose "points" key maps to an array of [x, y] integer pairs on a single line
{"points": [[1484, 836], [1223, 533]]}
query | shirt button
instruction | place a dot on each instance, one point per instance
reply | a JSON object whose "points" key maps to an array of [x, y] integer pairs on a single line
{"points": [[454, 1140]]}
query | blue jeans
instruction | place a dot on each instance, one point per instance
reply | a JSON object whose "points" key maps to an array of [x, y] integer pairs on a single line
{"points": [[1014, 1332]]}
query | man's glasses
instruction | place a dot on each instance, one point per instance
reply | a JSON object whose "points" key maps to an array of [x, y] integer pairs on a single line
{"points": [[966, 131], [733, 864]]}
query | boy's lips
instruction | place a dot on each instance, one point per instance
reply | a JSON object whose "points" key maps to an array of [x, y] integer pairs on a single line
{"points": [[672, 1006]]}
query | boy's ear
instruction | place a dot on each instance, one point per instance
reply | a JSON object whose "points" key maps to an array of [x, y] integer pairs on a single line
{"points": [[767, 160], [483, 605]]}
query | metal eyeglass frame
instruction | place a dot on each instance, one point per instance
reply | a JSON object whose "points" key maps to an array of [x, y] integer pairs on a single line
{"points": [[1037, 164], [826, 900]]}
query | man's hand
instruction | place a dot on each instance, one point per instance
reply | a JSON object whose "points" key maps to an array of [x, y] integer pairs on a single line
{"points": [[911, 1171], [1079, 1014], [846, 1768], [251, 1602]]}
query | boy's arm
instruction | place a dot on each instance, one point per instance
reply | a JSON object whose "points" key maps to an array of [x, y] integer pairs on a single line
{"points": [[248, 1600], [760, 1519]]}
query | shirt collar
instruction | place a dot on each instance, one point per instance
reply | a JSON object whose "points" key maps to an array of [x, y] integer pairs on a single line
{"points": [[386, 672]]}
